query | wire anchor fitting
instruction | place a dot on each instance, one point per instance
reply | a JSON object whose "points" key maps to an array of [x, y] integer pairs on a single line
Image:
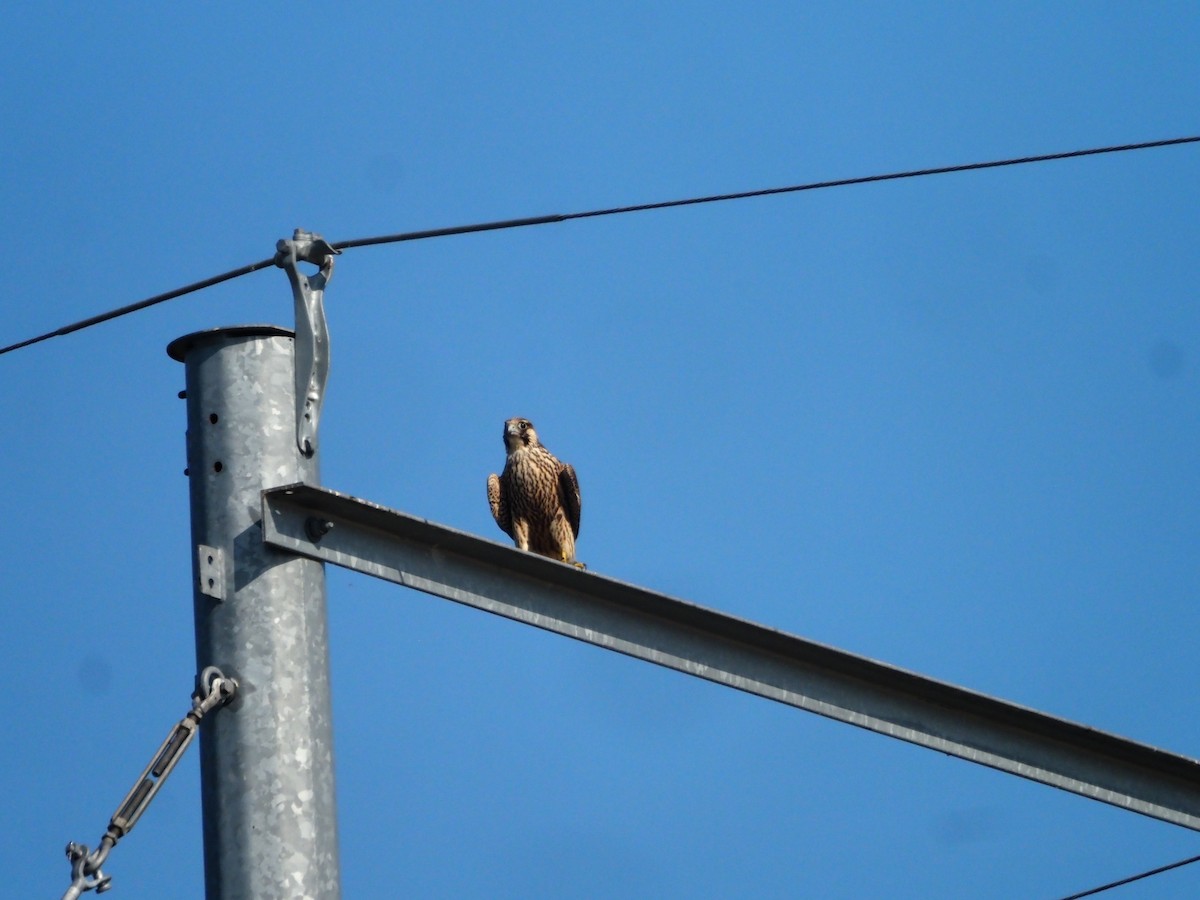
{"points": [[312, 333], [213, 689]]}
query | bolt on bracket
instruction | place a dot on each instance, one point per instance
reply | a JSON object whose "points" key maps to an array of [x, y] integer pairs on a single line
{"points": [[312, 332]]}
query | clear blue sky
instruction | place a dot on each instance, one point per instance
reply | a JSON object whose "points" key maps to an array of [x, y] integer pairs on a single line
{"points": [[949, 423]]}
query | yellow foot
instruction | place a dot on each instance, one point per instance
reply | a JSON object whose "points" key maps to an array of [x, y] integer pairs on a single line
{"points": [[576, 563]]}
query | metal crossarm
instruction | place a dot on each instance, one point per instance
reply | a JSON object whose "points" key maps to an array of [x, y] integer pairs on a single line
{"points": [[368, 538]]}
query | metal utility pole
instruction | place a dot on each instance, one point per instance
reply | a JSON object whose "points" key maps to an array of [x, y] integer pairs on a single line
{"points": [[266, 766]]}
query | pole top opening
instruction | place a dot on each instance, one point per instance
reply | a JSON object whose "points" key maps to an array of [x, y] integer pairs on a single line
{"points": [[178, 348]]}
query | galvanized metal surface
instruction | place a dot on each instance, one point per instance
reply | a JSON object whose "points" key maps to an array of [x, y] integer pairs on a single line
{"points": [[267, 761], [525, 587], [210, 571]]}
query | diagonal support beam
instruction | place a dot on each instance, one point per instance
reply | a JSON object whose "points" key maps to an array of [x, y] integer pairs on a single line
{"points": [[368, 538]]}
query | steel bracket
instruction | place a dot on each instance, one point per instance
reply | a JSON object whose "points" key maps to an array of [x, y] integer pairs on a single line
{"points": [[705, 643], [211, 570], [312, 332]]}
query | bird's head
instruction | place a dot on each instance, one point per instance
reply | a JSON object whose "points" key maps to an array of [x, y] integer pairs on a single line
{"points": [[519, 433]]}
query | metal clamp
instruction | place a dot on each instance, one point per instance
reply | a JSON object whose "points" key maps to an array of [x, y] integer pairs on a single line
{"points": [[213, 689], [312, 333]]}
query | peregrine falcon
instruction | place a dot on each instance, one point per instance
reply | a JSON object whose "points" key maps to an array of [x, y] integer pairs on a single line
{"points": [[535, 501]]}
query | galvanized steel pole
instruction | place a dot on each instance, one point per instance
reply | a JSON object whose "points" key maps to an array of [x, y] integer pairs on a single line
{"points": [[266, 765]]}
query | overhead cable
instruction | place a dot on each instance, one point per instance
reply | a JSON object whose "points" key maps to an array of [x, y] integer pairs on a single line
{"points": [[764, 192], [592, 214], [1132, 878]]}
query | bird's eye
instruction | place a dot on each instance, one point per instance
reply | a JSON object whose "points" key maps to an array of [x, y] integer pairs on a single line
{"points": [[524, 425]]}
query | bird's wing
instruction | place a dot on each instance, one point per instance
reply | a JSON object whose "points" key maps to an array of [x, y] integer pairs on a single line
{"points": [[568, 490], [499, 504]]}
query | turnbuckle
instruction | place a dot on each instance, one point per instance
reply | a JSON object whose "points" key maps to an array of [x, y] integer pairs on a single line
{"points": [[213, 689]]}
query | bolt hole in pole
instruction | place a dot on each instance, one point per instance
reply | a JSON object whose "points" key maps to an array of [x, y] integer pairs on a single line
{"points": [[218, 466], [212, 417]]}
